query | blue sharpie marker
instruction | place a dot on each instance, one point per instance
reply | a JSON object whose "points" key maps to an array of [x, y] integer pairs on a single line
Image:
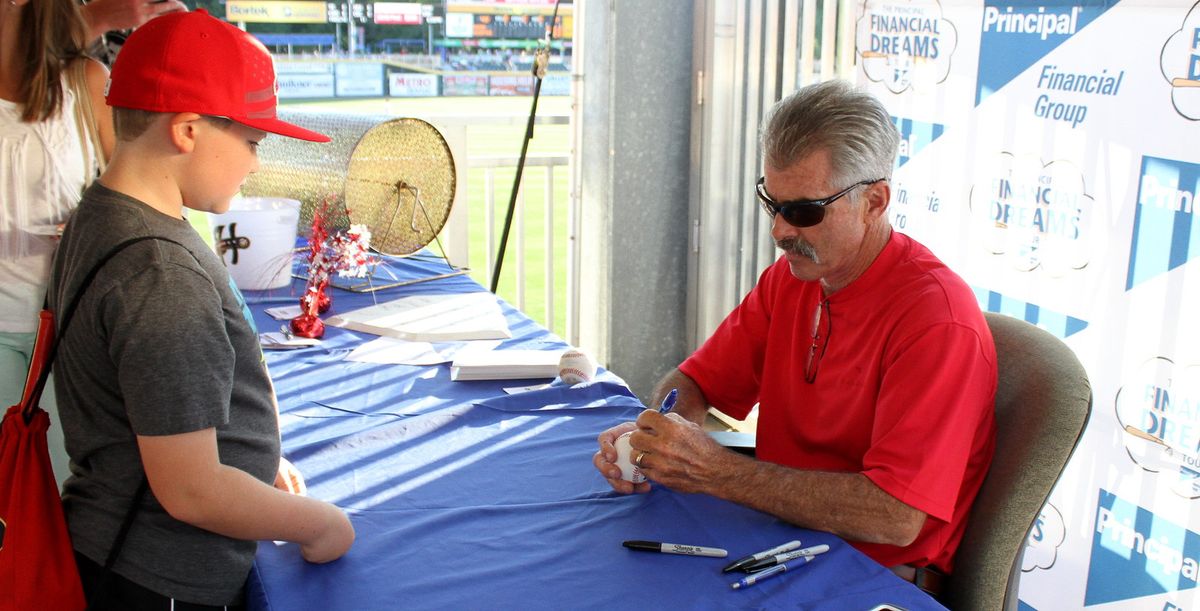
{"points": [[754, 578], [668, 402]]}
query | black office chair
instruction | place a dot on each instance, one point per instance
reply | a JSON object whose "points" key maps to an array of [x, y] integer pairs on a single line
{"points": [[1043, 402]]}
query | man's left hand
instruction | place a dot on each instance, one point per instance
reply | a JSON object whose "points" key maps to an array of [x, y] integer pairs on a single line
{"points": [[679, 454]]}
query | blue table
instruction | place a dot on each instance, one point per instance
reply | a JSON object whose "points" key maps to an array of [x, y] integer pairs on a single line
{"points": [[463, 497]]}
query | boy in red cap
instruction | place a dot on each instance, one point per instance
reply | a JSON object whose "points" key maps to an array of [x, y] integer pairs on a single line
{"points": [[160, 376]]}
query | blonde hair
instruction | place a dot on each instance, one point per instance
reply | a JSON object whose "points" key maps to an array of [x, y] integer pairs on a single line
{"points": [[129, 123], [52, 34]]}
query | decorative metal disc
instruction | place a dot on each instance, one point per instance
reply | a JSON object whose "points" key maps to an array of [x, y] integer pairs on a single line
{"points": [[400, 184], [375, 168]]}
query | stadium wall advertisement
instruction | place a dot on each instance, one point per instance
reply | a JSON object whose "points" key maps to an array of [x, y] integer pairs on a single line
{"points": [[1047, 157], [308, 80], [404, 84]]}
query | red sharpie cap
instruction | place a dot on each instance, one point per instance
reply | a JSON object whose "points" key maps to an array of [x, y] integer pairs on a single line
{"points": [[192, 62]]}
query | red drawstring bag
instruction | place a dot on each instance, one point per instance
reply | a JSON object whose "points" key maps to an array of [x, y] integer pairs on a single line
{"points": [[37, 564]]}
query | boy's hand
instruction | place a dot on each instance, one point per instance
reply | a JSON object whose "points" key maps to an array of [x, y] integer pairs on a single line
{"points": [[333, 541], [289, 478]]}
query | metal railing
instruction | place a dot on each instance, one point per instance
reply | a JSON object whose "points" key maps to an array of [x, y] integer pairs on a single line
{"points": [[484, 184]]}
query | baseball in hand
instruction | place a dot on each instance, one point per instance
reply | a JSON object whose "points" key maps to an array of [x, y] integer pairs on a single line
{"points": [[629, 471], [575, 367]]}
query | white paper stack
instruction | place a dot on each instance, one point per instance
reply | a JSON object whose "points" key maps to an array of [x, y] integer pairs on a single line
{"points": [[505, 364]]}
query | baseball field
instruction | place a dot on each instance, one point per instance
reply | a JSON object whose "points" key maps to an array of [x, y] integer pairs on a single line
{"points": [[503, 139]]}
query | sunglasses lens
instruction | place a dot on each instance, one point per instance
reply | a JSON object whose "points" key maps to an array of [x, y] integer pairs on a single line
{"points": [[803, 216]]}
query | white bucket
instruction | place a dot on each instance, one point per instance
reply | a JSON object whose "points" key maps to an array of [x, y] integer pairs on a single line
{"points": [[257, 236]]}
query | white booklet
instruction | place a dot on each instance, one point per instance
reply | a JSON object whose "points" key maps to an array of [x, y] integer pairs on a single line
{"points": [[431, 318], [505, 364]]}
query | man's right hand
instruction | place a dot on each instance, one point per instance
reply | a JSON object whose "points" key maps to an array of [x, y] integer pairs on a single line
{"points": [[606, 457]]}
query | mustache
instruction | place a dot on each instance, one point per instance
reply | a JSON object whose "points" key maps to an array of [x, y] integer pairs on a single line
{"points": [[798, 247]]}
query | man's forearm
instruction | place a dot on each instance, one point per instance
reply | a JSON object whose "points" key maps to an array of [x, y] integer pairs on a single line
{"points": [[847, 504]]}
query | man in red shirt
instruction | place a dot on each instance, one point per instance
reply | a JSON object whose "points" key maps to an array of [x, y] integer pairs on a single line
{"points": [[871, 363]]}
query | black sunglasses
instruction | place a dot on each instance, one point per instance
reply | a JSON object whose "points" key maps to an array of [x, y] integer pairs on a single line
{"points": [[802, 212]]}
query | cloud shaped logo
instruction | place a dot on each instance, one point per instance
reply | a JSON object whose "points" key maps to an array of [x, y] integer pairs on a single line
{"points": [[1034, 215], [1048, 533], [905, 43], [1180, 64], [1158, 407]]}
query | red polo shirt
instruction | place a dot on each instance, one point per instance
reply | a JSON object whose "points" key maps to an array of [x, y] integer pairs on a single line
{"points": [[903, 393]]}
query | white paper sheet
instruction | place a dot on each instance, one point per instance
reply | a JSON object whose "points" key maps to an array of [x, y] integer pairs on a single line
{"points": [[275, 340], [404, 352], [432, 317], [283, 312]]}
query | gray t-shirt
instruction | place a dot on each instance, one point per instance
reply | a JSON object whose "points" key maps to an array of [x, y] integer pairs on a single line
{"points": [[162, 344]]}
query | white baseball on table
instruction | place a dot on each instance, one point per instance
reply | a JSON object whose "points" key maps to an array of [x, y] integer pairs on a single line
{"points": [[576, 367]]}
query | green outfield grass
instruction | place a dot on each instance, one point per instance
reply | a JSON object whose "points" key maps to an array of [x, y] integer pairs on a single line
{"points": [[499, 141]]}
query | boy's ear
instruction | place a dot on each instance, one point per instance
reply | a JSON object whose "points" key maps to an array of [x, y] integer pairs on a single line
{"points": [[182, 129]]}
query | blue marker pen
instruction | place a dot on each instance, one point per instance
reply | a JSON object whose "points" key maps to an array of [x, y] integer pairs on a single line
{"points": [[754, 578], [668, 401]]}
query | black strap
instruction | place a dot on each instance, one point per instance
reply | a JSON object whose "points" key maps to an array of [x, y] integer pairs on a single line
{"points": [[115, 551], [69, 313]]}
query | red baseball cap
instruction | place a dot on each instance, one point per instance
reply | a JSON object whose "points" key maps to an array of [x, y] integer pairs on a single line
{"points": [[193, 62]]}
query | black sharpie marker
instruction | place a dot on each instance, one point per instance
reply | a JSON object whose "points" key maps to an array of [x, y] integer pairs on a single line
{"points": [[676, 548]]}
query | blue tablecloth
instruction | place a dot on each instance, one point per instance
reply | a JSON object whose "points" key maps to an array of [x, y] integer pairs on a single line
{"points": [[463, 497]]}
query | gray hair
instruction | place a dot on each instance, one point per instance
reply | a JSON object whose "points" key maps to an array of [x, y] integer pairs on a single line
{"points": [[849, 123]]}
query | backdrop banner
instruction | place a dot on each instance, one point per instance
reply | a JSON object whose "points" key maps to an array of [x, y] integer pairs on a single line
{"points": [[1047, 157]]}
